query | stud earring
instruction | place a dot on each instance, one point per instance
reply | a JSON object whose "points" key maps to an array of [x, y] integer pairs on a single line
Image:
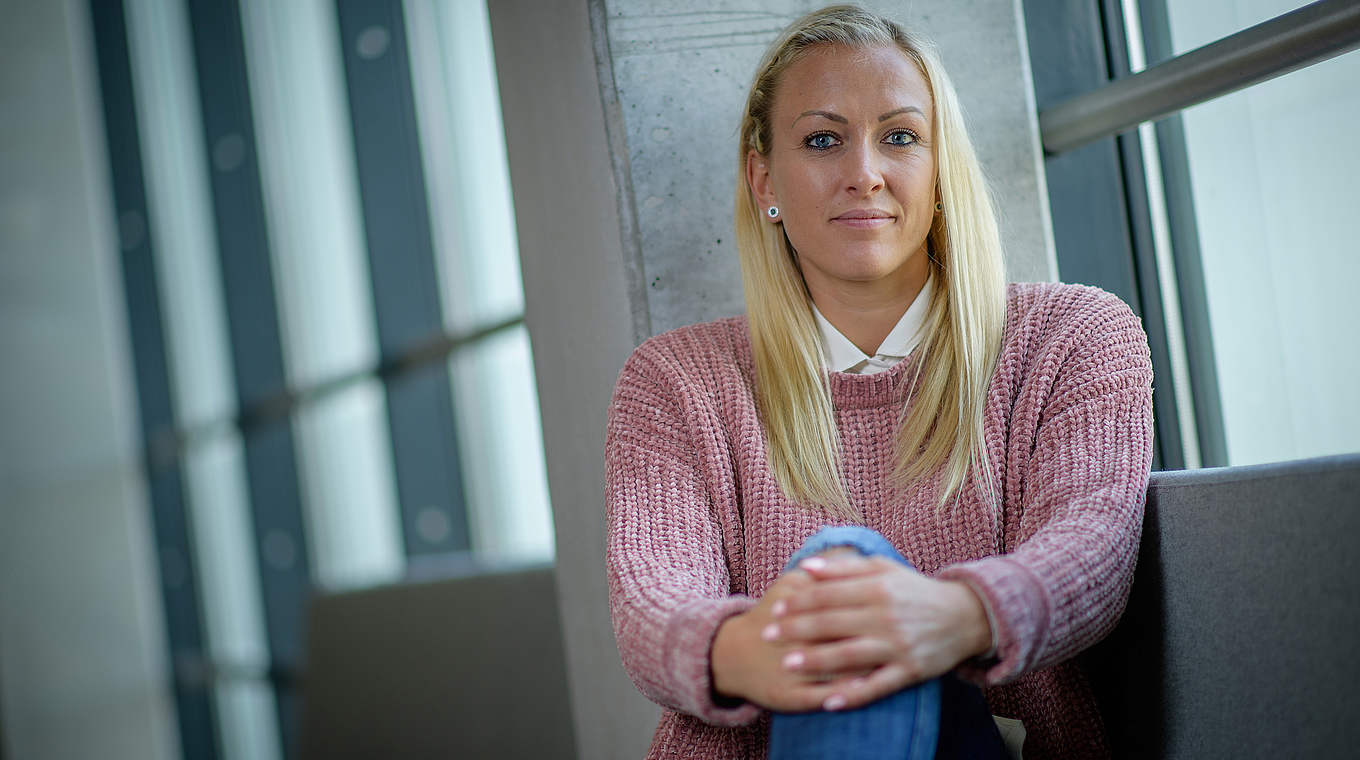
{"points": [[772, 212]]}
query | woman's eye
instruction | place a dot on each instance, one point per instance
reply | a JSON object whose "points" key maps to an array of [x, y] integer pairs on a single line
{"points": [[900, 137], [820, 141]]}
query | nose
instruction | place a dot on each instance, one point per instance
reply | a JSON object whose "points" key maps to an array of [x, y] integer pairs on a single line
{"points": [[863, 174]]}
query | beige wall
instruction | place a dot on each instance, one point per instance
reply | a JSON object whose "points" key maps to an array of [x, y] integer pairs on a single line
{"points": [[620, 117], [583, 322], [83, 669]]}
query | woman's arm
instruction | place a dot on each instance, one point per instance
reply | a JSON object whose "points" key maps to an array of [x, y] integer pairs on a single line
{"points": [[685, 639], [1066, 581], [669, 588], [1065, 584]]}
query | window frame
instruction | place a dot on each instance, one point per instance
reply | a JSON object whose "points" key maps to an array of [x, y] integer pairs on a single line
{"points": [[1090, 104]]}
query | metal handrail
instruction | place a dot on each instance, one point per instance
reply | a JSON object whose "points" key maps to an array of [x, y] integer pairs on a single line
{"points": [[164, 444], [1283, 44]]}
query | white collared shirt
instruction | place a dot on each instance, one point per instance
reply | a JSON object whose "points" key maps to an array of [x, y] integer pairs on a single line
{"points": [[841, 355]]}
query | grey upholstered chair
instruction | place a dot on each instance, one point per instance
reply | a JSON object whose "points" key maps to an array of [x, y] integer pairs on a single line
{"points": [[1235, 643], [461, 667], [1245, 606]]}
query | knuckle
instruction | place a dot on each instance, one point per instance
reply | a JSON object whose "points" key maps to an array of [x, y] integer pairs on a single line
{"points": [[789, 582], [816, 626], [880, 589], [822, 661], [804, 701], [857, 653], [911, 672]]}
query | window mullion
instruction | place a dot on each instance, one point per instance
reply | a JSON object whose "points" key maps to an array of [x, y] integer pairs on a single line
{"points": [[402, 267], [176, 559]]}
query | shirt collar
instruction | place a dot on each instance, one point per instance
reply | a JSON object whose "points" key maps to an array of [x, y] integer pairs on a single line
{"points": [[843, 356]]}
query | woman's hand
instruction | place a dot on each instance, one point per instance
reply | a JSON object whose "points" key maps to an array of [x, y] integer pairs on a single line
{"points": [[748, 663], [874, 625]]}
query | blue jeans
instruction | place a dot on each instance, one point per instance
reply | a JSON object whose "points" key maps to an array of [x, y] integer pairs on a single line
{"points": [[943, 717]]}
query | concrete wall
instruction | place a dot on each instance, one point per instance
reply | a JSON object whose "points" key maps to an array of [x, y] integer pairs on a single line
{"points": [[679, 81], [82, 663], [621, 119]]}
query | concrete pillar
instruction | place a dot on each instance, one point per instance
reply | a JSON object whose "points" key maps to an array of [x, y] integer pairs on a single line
{"points": [[680, 78], [621, 120]]}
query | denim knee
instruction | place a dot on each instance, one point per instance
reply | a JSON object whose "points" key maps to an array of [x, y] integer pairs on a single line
{"points": [[866, 541]]}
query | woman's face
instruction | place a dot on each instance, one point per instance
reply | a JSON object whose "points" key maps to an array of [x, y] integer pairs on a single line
{"points": [[852, 168]]}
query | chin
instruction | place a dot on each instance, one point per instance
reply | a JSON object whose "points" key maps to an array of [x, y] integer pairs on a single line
{"points": [[873, 267]]}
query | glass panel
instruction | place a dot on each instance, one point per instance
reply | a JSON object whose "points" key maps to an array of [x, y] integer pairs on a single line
{"points": [[248, 707], [502, 448], [462, 143], [463, 146], [353, 528], [204, 393], [324, 292], [1273, 174], [215, 476], [307, 170], [181, 212], [1196, 23]]}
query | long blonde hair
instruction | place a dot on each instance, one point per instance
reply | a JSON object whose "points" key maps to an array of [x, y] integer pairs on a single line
{"points": [[942, 427]]}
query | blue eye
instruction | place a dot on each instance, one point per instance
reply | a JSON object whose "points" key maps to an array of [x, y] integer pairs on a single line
{"points": [[900, 137], [820, 141]]}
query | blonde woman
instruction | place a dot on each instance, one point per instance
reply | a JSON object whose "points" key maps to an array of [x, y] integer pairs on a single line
{"points": [[896, 479]]}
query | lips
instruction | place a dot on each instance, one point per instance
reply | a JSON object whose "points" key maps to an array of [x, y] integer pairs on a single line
{"points": [[864, 219], [864, 214]]}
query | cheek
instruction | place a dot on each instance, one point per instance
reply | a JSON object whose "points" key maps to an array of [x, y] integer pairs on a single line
{"points": [[800, 237], [800, 186]]}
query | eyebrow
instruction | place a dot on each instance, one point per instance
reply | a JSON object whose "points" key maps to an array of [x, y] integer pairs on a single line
{"points": [[842, 120], [908, 109], [825, 115]]}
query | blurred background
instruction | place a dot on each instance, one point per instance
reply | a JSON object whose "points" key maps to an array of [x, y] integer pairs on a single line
{"points": [[270, 278]]}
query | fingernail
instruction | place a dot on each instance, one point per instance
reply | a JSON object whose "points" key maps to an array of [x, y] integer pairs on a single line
{"points": [[813, 563], [834, 702], [793, 660], [780, 607], [770, 632]]}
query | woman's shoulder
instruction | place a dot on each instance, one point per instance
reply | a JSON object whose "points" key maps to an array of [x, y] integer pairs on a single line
{"points": [[698, 352], [1064, 311], [1075, 332]]}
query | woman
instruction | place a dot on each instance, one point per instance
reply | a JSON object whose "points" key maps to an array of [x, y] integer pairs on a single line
{"points": [[995, 438]]}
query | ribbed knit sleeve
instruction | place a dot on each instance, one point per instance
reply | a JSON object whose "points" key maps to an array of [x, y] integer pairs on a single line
{"points": [[669, 587], [1084, 478]]}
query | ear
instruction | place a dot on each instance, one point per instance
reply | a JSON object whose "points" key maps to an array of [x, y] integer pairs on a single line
{"points": [[758, 179]]}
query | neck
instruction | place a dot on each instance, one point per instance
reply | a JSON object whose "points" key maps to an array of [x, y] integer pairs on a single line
{"points": [[865, 312]]}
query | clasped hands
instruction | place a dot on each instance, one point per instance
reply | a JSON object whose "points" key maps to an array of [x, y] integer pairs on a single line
{"points": [[842, 630]]}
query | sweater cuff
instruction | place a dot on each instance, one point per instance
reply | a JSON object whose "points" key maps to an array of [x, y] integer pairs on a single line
{"points": [[986, 601], [1018, 609], [689, 645]]}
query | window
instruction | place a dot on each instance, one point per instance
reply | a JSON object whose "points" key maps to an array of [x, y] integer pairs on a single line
{"points": [[1270, 173], [1224, 223], [323, 286]]}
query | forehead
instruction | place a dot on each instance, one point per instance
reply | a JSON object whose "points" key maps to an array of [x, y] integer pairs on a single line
{"points": [[847, 79]]}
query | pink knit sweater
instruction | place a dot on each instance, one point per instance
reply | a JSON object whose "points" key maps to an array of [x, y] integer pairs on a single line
{"points": [[698, 527]]}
